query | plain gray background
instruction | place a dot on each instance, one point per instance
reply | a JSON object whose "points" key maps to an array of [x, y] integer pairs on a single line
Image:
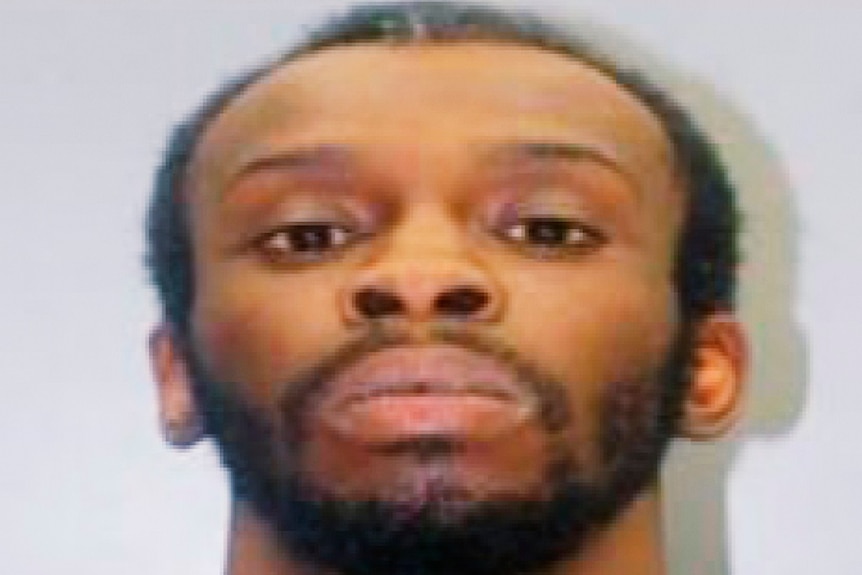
{"points": [[89, 90]]}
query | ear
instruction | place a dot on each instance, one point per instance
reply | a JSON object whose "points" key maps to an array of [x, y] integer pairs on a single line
{"points": [[180, 420], [719, 368]]}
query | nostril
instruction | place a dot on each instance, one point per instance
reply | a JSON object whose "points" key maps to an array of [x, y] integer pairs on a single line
{"points": [[465, 300], [372, 303]]}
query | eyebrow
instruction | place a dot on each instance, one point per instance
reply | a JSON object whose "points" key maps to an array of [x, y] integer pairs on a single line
{"points": [[568, 151], [321, 155], [334, 154]]}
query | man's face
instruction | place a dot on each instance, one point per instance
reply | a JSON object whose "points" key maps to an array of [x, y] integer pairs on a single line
{"points": [[437, 278]]}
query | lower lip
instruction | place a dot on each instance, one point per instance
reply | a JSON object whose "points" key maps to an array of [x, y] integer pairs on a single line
{"points": [[385, 419]]}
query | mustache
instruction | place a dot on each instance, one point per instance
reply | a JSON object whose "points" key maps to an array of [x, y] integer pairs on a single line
{"points": [[298, 396]]}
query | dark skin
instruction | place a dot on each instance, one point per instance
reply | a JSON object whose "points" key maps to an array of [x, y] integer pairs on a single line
{"points": [[536, 204]]}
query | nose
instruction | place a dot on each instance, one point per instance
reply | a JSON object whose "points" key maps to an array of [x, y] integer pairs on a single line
{"points": [[458, 301], [424, 276]]}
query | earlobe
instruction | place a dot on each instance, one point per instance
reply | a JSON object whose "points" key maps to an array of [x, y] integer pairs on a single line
{"points": [[178, 414], [719, 367]]}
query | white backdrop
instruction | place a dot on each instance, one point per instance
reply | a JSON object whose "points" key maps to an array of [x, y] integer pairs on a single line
{"points": [[88, 90]]}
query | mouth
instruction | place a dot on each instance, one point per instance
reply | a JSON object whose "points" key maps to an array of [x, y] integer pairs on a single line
{"points": [[425, 393]]}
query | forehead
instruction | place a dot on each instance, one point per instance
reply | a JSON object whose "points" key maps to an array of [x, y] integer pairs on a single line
{"points": [[462, 94]]}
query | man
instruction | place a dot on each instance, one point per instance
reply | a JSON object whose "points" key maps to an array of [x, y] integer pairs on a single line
{"points": [[442, 284]]}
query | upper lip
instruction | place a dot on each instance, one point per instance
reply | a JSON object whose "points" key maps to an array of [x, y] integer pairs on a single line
{"points": [[442, 370]]}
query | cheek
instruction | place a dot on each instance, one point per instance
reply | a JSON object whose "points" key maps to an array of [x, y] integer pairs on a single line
{"points": [[257, 332], [590, 320], [590, 335]]}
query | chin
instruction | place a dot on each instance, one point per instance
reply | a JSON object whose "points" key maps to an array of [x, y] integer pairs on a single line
{"points": [[449, 484], [443, 495], [436, 521], [419, 470]]}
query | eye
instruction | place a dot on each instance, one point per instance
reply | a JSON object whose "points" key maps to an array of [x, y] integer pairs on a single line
{"points": [[305, 241], [551, 232]]}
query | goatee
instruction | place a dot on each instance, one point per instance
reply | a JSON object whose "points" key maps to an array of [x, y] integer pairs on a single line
{"points": [[447, 532]]}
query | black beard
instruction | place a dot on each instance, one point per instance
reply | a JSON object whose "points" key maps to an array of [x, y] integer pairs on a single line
{"points": [[445, 535]]}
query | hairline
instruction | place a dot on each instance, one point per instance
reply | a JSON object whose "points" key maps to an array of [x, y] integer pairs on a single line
{"points": [[703, 286], [227, 97]]}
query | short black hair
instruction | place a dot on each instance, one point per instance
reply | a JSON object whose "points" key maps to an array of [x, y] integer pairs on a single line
{"points": [[707, 250]]}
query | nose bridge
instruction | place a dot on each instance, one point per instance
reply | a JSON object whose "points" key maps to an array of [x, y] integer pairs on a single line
{"points": [[426, 252], [428, 230], [426, 261]]}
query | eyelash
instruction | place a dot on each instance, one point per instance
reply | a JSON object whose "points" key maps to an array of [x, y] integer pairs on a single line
{"points": [[272, 243], [559, 236]]}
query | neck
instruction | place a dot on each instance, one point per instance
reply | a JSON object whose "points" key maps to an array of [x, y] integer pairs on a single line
{"points": [[631, 545]]}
